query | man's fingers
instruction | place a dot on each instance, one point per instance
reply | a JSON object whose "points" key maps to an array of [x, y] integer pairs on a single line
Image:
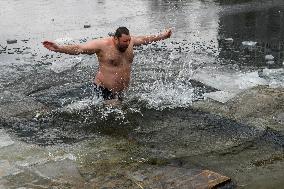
{"points": [[47, 43], [168, 32]]}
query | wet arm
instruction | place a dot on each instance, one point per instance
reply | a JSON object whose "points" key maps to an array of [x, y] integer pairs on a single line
{"points": [[143, 40], [69, 49], [88, 48]]}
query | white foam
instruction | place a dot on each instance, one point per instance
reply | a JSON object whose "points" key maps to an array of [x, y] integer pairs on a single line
{"points": [[108, 110], [66, 64], [160, 96], [82, 104]]}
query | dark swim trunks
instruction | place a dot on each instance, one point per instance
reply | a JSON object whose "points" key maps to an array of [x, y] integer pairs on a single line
{"points": [[105, 93]]}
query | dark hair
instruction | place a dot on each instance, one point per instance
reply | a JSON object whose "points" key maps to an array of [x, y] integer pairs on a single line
{"points": [[121, 30]]}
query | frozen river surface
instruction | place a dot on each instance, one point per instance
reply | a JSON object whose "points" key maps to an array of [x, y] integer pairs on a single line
{"points": [[210, 97]]}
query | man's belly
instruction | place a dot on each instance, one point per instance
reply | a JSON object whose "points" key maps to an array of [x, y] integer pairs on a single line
{"points": [[114, 81]]}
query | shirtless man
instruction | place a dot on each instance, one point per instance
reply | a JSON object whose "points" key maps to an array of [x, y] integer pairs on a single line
{"points": [[115, 56]]}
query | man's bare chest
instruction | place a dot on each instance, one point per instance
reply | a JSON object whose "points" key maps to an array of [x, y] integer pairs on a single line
{"points": [[118, 59]]}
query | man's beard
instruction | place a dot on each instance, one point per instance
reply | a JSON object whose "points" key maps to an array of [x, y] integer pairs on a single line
{"points": [[122, 49]]}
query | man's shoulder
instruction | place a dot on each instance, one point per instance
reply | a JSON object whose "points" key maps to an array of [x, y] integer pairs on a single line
{"points": [[98, 43], [104, 40]]}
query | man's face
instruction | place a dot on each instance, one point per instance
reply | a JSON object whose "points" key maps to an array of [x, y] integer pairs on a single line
{"points": [[123, 42]]}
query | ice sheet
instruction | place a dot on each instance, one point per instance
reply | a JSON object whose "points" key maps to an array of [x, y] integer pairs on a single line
{"points": [[229, 84], [5, 139], [220, 96], [275, 77]]}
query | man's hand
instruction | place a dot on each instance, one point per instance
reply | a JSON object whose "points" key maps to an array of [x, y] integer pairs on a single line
{"points": [[167, 33], [143, 40], [50, 46]]}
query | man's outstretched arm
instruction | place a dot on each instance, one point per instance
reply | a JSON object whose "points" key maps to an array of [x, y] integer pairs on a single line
{"points": [[88, 48], [143, 40]]}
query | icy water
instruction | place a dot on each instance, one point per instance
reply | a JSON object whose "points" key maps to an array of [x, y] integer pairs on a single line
{"points": [[210, 97]]}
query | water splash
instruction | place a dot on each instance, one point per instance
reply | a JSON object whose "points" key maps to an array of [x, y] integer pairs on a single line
{"points": [[163, 81], [171, 95], [66, 64]]}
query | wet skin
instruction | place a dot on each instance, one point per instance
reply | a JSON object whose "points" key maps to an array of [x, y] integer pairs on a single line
{"points": [[115, 56]]}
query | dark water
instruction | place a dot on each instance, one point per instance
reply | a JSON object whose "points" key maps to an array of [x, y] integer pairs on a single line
{"points": [[47, 102], [261, 22]]}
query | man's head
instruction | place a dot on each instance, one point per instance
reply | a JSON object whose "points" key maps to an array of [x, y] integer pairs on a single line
{"points": [[122, 38]]}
